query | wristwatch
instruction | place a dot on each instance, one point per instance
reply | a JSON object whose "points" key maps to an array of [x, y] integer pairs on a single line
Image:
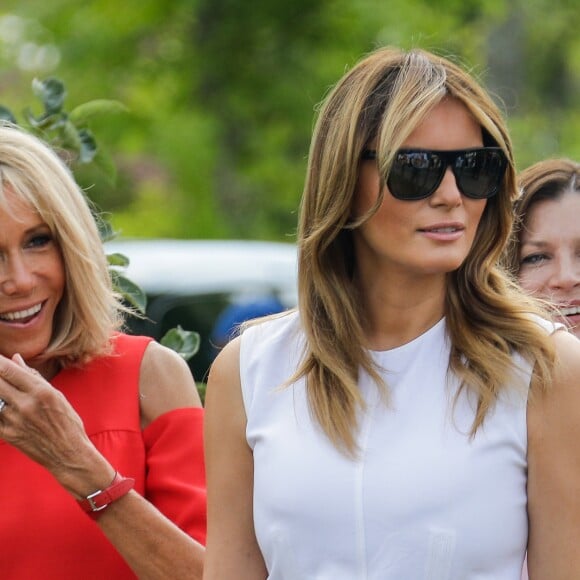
{"points": [[96, 502]]}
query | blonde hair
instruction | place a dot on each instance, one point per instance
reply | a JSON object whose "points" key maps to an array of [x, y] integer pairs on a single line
{"points": [[547, 179], [89, 311], [384, 98]]}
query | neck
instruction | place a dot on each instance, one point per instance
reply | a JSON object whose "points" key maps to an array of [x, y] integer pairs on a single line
{"points": [[48, 369], [399, 309]]}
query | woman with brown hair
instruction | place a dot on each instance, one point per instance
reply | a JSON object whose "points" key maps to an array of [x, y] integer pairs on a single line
{"points": [[545, 253], [384, 429]]}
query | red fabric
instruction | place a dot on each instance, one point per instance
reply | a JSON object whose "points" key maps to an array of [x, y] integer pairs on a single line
{"points": [[43, 532], [96, 504]]}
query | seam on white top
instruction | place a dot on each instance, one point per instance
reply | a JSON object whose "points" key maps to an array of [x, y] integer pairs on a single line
{"points": [[441, 552], [359, 491]]}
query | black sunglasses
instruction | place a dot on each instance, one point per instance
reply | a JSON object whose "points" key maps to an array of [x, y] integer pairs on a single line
{"points": [[417, 173]]}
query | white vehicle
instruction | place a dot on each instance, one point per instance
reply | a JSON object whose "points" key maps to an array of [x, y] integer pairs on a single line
{"points": [[193, 282]]}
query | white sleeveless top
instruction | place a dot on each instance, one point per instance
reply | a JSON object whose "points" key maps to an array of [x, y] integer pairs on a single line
{"points": [[422, 501]]}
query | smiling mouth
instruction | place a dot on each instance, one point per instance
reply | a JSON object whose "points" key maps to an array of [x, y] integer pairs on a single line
{"points": [[21, 315], [570, 310]]}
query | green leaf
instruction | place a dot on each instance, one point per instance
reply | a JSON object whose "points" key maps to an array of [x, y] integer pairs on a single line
{"points": [[201, 389], [130, 291], [184, 342], [119, 260], [6, 115], [88, 148], [33, 121], [70, 139], [45, 122], [104, 162], [51, 92], [54, 122], [81, 114], [106, 231]]}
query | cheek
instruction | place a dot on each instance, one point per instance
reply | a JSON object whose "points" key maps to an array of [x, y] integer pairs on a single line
{"points": [[477, 210], [532, 280], [366, 193], [59, 276]]}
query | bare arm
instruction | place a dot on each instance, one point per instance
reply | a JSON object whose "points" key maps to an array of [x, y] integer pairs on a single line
{"points": [[42, 424], [232, 549], [554, 470], [165, 383]]}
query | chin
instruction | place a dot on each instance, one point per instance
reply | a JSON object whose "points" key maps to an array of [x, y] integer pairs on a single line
{"points": [[444, 266], [30, 352], [446, 262]]}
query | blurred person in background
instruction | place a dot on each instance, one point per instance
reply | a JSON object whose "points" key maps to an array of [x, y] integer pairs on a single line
{"points": [[384, 430], [545, 253], [235, 314], [101, 452]]}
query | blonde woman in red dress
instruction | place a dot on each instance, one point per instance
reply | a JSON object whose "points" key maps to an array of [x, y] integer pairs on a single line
{"points": [[101, 460]]}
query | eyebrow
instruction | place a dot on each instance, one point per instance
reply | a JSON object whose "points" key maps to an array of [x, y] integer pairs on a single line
{"points": [[536, 243], [39, 226], [543, 244]]}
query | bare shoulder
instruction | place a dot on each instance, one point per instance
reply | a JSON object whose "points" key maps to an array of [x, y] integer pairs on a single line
{"points": [[225, 413], [232, 549], [568, 352], [224, 384], [560, 403], [165, 383]]}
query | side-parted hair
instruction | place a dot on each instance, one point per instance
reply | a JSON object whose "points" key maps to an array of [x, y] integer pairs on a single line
{"points": [[547, 179], [89, 311], [382, 99]]}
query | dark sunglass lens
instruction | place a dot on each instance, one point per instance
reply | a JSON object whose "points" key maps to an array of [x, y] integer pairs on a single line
{"points": [[415, 174], [479, 173]]}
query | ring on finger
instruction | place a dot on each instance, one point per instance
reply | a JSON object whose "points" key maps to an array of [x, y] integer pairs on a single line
{"points": [[2, 405]]}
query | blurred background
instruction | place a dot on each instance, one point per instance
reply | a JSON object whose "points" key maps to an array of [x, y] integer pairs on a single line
{"points": [[222, 94]]}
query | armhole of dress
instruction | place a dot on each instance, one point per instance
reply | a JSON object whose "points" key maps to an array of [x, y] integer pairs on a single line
{"points": [[245, 352], [548, 325], [524, 366]]}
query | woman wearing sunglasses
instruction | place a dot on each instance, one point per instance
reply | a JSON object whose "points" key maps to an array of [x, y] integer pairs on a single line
{"points": [[384, 429]]}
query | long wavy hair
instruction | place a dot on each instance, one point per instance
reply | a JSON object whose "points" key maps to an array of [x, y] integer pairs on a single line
{"points": [[547, 179], [384, 98], [89, 311]]}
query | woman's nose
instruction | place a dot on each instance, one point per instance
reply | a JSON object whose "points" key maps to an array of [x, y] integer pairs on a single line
{"points": [[448, 192], [566, 273]]}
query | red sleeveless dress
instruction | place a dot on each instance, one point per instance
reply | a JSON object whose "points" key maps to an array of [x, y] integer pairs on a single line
{"points": [[43, 532]]}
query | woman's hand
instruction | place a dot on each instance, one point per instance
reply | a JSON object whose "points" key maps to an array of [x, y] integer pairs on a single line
{"points": [[39, 421]]}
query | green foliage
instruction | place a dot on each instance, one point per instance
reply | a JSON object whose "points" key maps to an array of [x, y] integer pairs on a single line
{"points": [[223, 93], [184, 342], [130, 291], [69, 133], [201, 389]]}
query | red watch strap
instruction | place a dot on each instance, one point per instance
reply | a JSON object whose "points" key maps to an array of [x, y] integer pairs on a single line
{"points": [[97, 501]]}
